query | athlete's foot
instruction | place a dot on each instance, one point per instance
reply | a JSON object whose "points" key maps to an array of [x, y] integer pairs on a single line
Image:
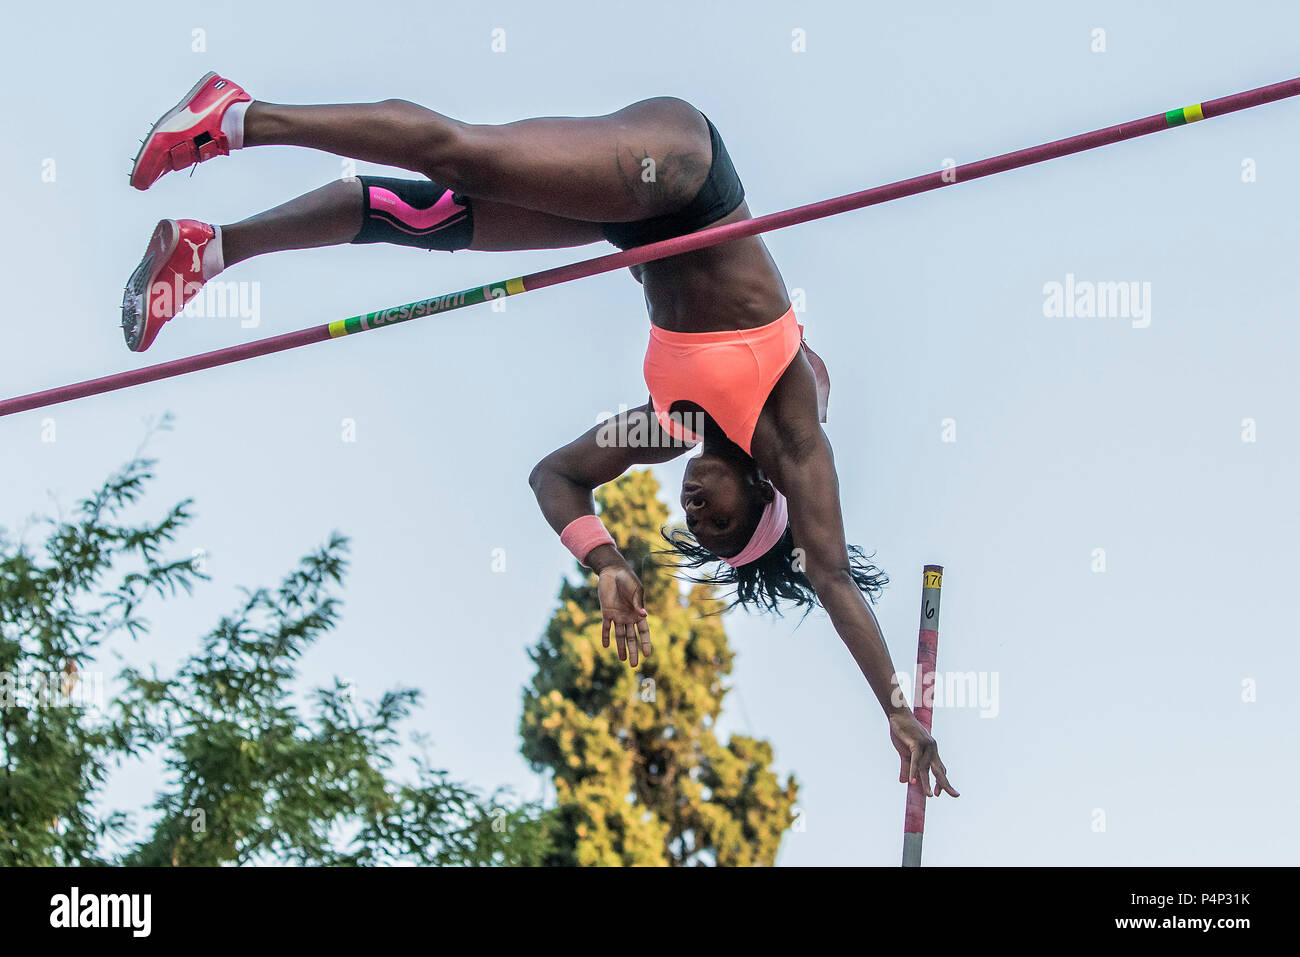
{"points": [[168, 277], [189, 133]]}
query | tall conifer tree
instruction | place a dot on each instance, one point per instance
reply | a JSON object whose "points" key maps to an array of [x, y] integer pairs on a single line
{"points": [[640, 775]]}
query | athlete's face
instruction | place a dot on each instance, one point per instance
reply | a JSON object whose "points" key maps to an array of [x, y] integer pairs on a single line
{"points": [[723, 500]]}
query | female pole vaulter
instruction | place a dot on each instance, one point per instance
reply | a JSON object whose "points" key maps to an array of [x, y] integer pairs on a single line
{"points": [[726, 353]]}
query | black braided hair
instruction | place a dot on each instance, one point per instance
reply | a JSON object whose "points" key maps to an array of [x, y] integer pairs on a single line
{"points": [[766, 583]]}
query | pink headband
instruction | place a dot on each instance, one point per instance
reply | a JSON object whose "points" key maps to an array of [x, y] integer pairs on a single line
{"points": [[770, 529]]}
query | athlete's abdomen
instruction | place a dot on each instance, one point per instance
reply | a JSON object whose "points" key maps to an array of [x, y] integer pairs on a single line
{"points": [[732, 286]]}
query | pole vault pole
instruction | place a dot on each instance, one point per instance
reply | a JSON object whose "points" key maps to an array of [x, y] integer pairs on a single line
{"points": [[660, 250], [927, 649]]}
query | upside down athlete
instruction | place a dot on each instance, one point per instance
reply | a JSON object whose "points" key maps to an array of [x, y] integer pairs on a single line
{"points": [[726, 353]]}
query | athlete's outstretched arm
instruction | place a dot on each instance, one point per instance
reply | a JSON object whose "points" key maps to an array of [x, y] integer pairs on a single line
{"points": [[563, 483], [805, 472]]}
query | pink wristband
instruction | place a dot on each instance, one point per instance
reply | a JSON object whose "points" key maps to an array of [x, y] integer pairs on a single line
{"points": [[584, 534]]}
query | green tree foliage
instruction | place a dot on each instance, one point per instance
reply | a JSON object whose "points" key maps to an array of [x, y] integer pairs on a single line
{"points": [[252, 775], [640, 775]]}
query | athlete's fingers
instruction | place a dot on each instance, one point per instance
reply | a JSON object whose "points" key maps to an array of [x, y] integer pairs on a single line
{"points": [[604, 631], [912, 764], [622, 646], [923, 771], [941, 779], [629, 640], [643, 627]]}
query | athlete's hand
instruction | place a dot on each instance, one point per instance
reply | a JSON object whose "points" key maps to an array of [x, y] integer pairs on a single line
{"points": [[919, 754], [621, 605]]}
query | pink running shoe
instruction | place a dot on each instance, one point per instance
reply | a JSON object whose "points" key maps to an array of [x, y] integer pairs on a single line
{"points": [[189, 133], [166, 279]]}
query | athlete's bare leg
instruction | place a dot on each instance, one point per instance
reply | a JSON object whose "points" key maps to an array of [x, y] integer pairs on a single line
{"points": [[645, 160]]}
